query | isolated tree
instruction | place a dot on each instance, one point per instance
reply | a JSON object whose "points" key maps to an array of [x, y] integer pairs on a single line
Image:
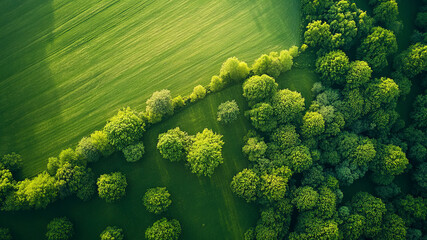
{"points": [[204, 154], [11, 161], [233, 70], [112, 187], [333, 67], [312, 124], [164, 229], [174, 144], [112, 233], [376, 47], [305, 198], [359, 74], [259, 89], [262, 117], [87, 150], [60, 229], [199, 92], [134, 152], [228, 112], [159, 105], [254, 148], [245, 184], [125, 128], [413, 61], [157, 200], [288, 105]]}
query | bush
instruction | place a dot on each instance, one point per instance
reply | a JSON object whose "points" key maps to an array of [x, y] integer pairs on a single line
{"points": [[157, 200], [199, 92], [60, 229], [134, 152], [228, 112]]}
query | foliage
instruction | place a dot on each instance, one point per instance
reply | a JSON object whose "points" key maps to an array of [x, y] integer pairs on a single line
{"points": [[11, 161], [216, 84], [386, 12], [112, 187], [178, 102], [101, 143], [254, 148], [259, 89], [305, 198], [86, 149], [333, 67], [358, 75], [164, 229], [233, 70], [112, 233], [376, 47], [287, 105], [393, 228], [262, 117], [228, 112], [245, 184], [353, 226], [267, 64], [392, 160], [412, 209], [5, 234], [199, 92], [159, 105], [60, 229], [285, 137], [273, 185], [204, 154], [420, 111], [372, 209], [312, 124], [343, 17], [157, 200], [299, 159], [6, 183], [134, 152], [318, 35], [174, 144], [124, 129]]}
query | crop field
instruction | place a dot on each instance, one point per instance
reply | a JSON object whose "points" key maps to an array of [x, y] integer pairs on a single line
{"points": [[67, 66]]}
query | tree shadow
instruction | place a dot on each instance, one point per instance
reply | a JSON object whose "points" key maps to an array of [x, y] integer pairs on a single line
{"points": [[28, 110]]}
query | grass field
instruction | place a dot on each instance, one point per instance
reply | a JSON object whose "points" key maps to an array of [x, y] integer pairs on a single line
{"points": [[66, 66], [206, 208]]}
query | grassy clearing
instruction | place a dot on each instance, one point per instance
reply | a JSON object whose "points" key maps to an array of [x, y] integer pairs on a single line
{"points": [[66, 66], [206, 208]]}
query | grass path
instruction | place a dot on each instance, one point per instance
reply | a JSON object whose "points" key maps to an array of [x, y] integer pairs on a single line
{"points": [[66, 66]]}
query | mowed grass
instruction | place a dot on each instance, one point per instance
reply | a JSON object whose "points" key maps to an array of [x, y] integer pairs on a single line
{"points": [[206, 207], [67, 66]]}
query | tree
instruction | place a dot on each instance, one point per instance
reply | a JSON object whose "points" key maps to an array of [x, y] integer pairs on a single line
{"points": [[60, 229], [382, 91], [228, 112], [393, 228], [343, 17], [178, 102], [6, 183], [174, 144], [267, 64], [157, 200], [124, 129], [318, 35], [75, 179], [273, 185], [233, 71], [312, 124], [392, 160], [288, 105], [245, 184], [204, 154], [11, 161], [412, 209], [159, 105], [376, 47], [285, 137], [254, 148], [199, 92], [164, 229], [299, 159], [353, 226], [372, 209], [386, 12], [420, 111], [333, 67], [358, 75], [305, 198], [5, 234], [112, 233], [112, 187], [216, 84], [259, 89], [100, 142], [134, 152], [262, 117], [87, 150]]}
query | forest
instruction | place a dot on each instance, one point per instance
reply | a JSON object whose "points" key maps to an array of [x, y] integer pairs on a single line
{"points": [[342, 155]]}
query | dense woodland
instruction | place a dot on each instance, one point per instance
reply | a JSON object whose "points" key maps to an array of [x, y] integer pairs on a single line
{"points": [[301, 154]]}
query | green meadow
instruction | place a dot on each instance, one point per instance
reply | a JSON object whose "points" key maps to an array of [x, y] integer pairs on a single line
{"points": [[67, 66]]}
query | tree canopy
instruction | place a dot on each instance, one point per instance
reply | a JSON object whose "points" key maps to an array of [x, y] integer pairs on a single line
{"points": [[157, 200], [112, 187], [164, 229]]}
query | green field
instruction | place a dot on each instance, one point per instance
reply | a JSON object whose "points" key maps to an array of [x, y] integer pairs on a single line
{"points": [[206, 208], [67, 66]]}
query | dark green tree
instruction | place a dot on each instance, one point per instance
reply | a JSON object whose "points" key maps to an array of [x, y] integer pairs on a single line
{"points": [[112, 233], [112, 187], [305, 198], [157, 200], [134, 152], [262, 117], [245, 184], [60, 229], [11, 161], [164, 229]]}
